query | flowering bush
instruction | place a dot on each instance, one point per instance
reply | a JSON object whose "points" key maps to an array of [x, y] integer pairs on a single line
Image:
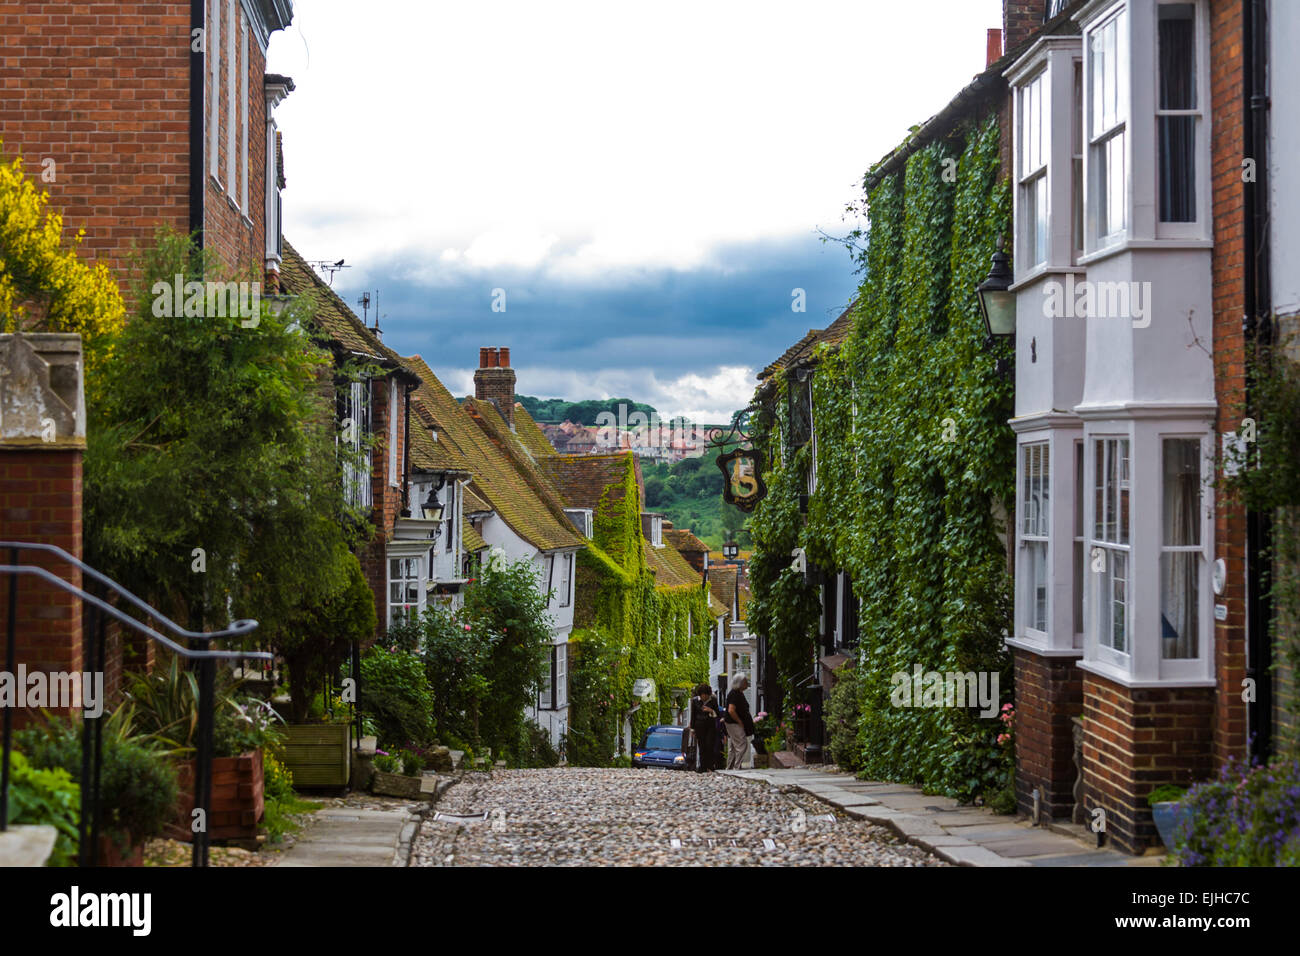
{"points": [[1008, 718], [1247, 817]]}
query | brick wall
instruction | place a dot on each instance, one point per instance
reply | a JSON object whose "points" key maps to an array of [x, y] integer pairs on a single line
{"points": [[1228, 265], [1020, 20], [102, 89], [386, 499], [40, 501], [235, 234], [1049, 693], [1136, 739]]}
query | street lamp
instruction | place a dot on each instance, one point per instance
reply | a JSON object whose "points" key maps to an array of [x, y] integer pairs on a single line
{"points": [[997, 302], [730, 550]]}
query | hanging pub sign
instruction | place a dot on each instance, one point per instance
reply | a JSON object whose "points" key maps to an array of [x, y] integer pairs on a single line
{"points": [[742, 478]]}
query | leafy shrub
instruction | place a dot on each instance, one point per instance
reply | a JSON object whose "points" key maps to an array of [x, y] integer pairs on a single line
{"points": [[842, 720], [388, 763], [534, 748], [138, 786], [1246, 817], [412, 763], [277, 779], [396, 694], [1167, 793], [46, 797]]}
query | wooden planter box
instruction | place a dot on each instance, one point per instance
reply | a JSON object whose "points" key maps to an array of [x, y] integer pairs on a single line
{"points": [[238, 799], [319, 755], [396, 785]]}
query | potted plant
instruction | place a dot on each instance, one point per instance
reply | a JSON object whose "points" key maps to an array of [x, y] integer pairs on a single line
{"points": [[761, 731], [165, 705], [1167, 811], [138, 786], [398, 775]]}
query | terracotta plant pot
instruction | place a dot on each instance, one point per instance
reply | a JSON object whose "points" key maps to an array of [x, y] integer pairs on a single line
{"points": [[238, 799], [111, 855]]}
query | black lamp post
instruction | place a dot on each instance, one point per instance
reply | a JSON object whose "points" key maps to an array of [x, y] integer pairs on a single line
{"points": [[998, 303], [730, 550]]}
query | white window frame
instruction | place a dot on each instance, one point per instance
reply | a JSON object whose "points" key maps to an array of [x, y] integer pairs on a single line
{"points": [[1197, 227], [232, 25], [1115, 547], [393, 479], [212, 49], [356, 479], [1034, 530], [417, 553], [244, 117], [1113, 137], [553, 693], [1201, 664], [566, 579], [1033, 142]]}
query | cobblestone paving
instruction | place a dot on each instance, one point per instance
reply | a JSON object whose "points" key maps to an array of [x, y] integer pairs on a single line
{"points": [[575, 816]]}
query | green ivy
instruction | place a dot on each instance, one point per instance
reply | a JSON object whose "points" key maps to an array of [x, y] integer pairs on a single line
{"points": [[908, 515], [628, 627]]}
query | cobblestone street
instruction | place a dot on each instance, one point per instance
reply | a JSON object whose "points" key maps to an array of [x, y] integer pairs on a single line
{"points": [[577, 816]]}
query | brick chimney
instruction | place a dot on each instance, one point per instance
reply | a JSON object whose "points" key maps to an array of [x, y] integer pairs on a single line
{"points": [[1021, 19], [494, 381], [994, 52]]}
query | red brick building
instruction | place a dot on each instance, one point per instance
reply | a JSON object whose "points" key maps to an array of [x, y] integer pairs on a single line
{"points": [[145, 113]]}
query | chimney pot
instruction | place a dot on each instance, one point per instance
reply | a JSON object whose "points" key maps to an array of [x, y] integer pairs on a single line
{"points": [[994, 46], [505, 356], [482, 357]]}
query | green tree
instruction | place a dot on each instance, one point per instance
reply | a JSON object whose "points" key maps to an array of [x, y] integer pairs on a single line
{"points": [[212, 484]]}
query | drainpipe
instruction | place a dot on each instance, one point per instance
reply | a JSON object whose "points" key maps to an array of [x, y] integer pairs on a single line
{"points": [[1259, 336], [198, 75]]}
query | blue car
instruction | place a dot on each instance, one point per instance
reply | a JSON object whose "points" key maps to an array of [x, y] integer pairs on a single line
{"points": [[662, 746]]}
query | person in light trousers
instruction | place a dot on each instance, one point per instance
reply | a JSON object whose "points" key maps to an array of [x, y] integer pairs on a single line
{"points": [[739, 724]]}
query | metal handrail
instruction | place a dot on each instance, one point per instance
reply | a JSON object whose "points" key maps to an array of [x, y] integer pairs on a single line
{"points": [[108, 582], [91, 772]]}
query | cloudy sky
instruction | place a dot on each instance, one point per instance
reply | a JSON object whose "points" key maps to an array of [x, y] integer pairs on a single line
{"points": [[644, 182]]}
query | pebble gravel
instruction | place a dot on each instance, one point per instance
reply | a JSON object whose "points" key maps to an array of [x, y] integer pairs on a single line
{"points": [[580, 817]]}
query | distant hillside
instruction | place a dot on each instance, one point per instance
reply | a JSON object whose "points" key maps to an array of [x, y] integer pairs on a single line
{"points": [[689, 493], [583, 413]]}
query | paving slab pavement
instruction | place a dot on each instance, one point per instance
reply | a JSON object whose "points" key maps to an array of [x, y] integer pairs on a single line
{"points": [[966, 836], [346, 836]]}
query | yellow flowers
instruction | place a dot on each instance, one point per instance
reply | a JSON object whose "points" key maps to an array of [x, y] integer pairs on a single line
{"points": [[43, 285]]}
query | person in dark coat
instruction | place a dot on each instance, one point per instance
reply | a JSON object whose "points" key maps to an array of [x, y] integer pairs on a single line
{"points": [[704, 724]]}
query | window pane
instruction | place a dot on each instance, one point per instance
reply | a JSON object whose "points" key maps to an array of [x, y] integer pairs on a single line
{"points": [[1078, 587], [1040, 219], [1119, 604], [1038, 578], [1179, 604], [1177, 56], [1182, 492], [1123, 513], [1177, 168]]}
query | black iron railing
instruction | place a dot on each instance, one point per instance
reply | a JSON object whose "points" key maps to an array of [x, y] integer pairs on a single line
{"points": [[99, 609]]}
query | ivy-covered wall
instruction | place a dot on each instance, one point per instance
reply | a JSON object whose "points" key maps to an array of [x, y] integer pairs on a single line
{"points": [[914, 463], [628, 626]]}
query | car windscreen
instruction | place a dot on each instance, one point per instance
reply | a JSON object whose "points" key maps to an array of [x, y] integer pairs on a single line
{"points": [[664, 742]]}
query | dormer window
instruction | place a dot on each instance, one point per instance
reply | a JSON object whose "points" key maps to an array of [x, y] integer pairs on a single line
{"points": [[1106, 55], [652, 526]]}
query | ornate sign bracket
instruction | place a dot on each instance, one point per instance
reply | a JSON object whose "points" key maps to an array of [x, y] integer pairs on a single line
{"points": [[742, 467]]}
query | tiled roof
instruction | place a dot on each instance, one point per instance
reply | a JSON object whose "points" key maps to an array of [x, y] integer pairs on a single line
{"points": [[582, 479], [833, 335], [473, 503], [684, 541], [348, 333], [498, 482], [722, 585], [530, 436], [671, 569], [471, 539], [427, 454]]}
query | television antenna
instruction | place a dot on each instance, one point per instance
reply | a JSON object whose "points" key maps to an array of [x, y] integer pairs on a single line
{"points": [[324, 265]]}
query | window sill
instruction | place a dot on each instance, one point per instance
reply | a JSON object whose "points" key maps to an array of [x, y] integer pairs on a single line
{"points": [[1125, 679], [1130, 245], [1042, 650], [1042, 271]]}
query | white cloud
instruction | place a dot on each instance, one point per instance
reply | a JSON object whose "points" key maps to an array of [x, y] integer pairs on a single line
{"points": [[590, 136], [708, 399]]}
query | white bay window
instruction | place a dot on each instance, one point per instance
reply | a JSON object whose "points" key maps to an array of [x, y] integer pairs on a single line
{"points": [[1106, 56]]}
